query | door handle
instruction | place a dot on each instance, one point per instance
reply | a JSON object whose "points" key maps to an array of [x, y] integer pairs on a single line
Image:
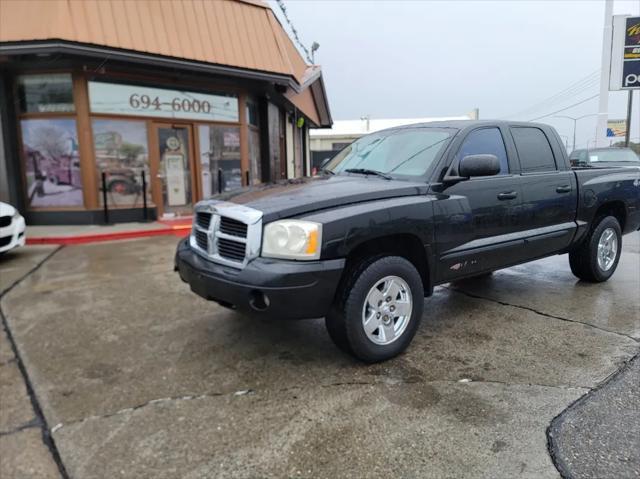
{"points": [[563, 189], [508, 195]]}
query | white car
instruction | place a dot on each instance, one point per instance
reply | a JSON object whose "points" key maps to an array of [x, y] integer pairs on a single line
{"points": [[12, 228]]}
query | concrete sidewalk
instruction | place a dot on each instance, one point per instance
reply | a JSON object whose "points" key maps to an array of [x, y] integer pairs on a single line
{"points": [[80, 234]]}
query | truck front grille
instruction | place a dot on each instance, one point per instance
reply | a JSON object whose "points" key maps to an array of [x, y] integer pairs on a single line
{"points": [[233, 227], [226, 233], [202, 240], [231, 249], [203, 219]]}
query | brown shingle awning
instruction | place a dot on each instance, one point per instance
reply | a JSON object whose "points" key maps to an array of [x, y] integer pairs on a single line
{"points": [[241, 34]]}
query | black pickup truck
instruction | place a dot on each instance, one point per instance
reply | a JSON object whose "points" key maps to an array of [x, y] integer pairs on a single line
{"points": [[398, 212]]}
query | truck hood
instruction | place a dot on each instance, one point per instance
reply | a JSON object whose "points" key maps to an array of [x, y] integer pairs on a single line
{"points": [[295, 197]]}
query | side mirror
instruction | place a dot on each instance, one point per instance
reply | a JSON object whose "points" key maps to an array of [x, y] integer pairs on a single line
{"points": [[479, 165]]}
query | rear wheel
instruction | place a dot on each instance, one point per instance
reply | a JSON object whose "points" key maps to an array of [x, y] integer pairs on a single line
{"points": [[596, 259], [378, 310]]}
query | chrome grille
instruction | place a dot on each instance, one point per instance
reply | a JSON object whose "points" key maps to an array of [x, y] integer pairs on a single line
{"points": [[231, 249], [202, 240], [226, 233], [203, 219], [232, 227]]}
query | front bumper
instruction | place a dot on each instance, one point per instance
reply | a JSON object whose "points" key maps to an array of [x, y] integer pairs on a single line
{"points": [[266, 287], [12, 236]]}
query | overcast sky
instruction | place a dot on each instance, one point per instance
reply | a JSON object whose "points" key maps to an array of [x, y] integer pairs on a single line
{"points": [[407, 59]]}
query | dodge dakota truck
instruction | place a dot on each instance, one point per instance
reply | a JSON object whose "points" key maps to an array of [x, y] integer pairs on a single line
{"points": [[398, 212]]}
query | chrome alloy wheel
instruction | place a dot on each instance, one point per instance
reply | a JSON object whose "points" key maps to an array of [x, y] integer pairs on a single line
{"points": [[387, 310], [607, 249]]}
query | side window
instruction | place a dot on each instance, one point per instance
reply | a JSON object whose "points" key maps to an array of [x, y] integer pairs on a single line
{"points": [[534, 150], [486, 141]]}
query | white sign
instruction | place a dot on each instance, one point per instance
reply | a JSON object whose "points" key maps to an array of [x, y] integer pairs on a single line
{"points": [[116, 99], [174, 171]]}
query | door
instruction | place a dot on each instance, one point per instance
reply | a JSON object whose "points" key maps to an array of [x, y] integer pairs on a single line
{"points": [[174, 169], [477, 219], [549, 193]]}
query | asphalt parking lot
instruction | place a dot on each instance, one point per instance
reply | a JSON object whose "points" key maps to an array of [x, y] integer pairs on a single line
{"points": [[137, 377]]}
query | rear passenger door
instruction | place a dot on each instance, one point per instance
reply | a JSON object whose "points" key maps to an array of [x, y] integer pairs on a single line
{"points": [[549, 192]]}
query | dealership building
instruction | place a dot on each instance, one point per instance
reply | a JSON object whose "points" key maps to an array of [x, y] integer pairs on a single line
{"points": [[157, 103]]}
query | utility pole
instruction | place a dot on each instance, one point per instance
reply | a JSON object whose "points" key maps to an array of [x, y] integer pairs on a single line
{"points": [[603, 102], [627, 134], [575, 124]]}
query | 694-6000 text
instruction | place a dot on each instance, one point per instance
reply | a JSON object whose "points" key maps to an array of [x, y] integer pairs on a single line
{"points": [[145, 102]]}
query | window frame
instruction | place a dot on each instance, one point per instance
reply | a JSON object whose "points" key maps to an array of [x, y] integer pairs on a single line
{"points": [[43, 114], [450, 167]]}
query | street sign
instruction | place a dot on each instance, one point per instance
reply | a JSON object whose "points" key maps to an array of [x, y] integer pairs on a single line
{"points": [[616, 128], [625, 55]]}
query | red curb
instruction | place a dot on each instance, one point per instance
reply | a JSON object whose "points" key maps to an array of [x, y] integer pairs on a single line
{"points": [[180, 231]]}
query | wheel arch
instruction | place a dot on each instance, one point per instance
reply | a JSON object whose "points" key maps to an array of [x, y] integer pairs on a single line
{"points": [[615, 208], [405, 245]]}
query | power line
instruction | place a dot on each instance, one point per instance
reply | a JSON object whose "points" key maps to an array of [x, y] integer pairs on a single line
{"points": [[566, 108], [570, 91], [293, 30]]}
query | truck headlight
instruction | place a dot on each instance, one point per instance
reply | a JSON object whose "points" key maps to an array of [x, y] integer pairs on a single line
{"points": [[292, 239]]}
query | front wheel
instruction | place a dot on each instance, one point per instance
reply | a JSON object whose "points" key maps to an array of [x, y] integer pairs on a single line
{"points": [[378, 310], [596, 259]]}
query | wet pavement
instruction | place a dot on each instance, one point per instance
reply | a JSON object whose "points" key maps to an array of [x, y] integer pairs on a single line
{"points": [[138, 377], [23, 452], [599, 436]]}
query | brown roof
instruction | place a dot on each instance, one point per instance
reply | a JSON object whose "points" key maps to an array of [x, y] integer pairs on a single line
{"points": [[244, 34]]}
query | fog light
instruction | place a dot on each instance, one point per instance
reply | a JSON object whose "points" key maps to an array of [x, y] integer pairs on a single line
{"points": [[258, 300]]}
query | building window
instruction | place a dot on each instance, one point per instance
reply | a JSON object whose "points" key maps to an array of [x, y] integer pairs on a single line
{"points": [[219, 158], [51, 162], [252, 113], [255, 177], [255, 159], [45, 93], [137, 100], [121, 153], [339, 146]]}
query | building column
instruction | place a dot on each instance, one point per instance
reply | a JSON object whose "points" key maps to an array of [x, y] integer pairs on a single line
{"points": [[244, 137], [88, 170]]}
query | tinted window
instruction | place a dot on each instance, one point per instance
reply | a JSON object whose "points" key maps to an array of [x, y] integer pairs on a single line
{"points": [[45, 93], [487, 141], [534, 150]]}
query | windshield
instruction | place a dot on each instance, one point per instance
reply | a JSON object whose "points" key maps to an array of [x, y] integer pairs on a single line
{"points": [[404, 152], [613, 154]]}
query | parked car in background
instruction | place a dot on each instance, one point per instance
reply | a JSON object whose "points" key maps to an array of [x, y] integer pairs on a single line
{"points": [[12, 228], [604, 157], [398, 212]]}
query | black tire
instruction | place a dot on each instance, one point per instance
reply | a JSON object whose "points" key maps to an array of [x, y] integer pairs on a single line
{"points": [[583, 259], [345, 324]]}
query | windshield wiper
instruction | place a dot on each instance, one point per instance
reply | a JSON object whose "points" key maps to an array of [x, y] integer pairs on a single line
{"points": [[366, 171]]}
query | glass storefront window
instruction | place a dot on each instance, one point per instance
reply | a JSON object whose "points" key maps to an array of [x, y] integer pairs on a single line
{"points": [[255, 176], [51, 162], [45, 93], [121, 152], [220, 158], [252, 112]]}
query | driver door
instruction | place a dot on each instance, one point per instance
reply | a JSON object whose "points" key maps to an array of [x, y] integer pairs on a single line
{"points": [[475, 219]]}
